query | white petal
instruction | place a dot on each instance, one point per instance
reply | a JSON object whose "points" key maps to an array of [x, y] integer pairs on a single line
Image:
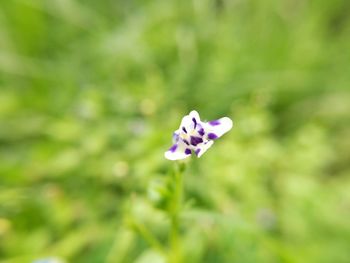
{"points": [[204, 147], [219, 127], [195, 114], [178, 153], [187, 121]]}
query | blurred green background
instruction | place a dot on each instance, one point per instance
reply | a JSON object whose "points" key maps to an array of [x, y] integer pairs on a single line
{"points": [[91, 91]]}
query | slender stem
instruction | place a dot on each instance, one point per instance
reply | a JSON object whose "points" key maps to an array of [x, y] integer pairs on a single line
{"points": [[176, 251]]}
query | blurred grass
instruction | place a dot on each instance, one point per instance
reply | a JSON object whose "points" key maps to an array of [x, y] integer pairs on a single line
{"points": [[90, 92]]}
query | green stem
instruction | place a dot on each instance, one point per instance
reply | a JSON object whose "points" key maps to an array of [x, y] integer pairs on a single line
{"points": [[176, 251]]}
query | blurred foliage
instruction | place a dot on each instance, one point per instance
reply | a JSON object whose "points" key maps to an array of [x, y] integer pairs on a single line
{"points": [[90, 92]]}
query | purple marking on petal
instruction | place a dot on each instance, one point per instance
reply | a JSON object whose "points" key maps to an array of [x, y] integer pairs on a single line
{"points": [[212, 136], [197, 151], [201, 132], [175, 137], [184, 129], [214, 123], [196, 140], [195, 122], [173, 148], [188, 151], [185, 141]]}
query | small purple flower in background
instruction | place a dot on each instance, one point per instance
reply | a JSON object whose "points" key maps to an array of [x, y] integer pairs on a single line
{"points": [[196, 136]]}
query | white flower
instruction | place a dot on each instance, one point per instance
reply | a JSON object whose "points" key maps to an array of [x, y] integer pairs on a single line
{"points": [[196, 136]]}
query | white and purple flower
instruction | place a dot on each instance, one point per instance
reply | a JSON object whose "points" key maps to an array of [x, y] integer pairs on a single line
{"points": [[196, 136]]}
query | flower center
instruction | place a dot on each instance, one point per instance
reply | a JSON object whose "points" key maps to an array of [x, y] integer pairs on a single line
{"points": [[192, 137]]}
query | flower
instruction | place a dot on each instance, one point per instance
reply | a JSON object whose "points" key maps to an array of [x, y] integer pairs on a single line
{"points": [[196, 136]]}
